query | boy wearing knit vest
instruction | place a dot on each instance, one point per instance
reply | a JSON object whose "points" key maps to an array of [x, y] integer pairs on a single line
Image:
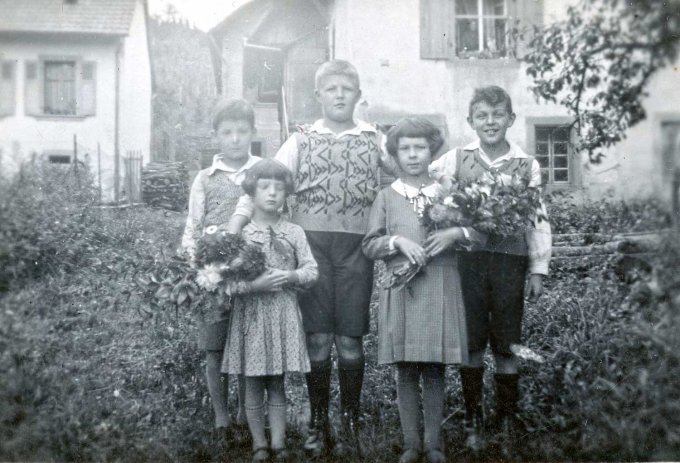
{"points": [[213, 198], [494, 278], [335, 164]]}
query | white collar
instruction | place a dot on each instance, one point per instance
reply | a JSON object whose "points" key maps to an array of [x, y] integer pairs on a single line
{"points": [[409, 192], [515, 152], [218, 164], [359, 126]]}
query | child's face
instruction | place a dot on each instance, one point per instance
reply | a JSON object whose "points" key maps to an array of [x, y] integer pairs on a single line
{"points": [[234, 137], [413, 155], [338, 96], [269, 195], [491, 122]]}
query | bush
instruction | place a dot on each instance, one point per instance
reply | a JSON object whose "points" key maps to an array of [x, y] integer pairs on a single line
{"points": [[605, 215], [48, 223]]}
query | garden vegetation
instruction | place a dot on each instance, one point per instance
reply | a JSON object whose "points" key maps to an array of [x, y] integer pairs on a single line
{"points": [[91, 371]]}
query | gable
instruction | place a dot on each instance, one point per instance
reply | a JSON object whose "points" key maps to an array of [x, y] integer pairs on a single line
{"points": [[105, 17]]}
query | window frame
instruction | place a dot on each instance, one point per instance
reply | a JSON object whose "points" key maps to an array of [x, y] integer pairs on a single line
{"points": [[573, 158], [75, 84], [480, 17]]}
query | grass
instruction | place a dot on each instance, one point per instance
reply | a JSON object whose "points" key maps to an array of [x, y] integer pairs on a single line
{"points": [[90, 374]]}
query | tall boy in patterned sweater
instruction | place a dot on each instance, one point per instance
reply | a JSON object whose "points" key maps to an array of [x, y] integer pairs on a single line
{"points": [[336, 166], [493, 278]]}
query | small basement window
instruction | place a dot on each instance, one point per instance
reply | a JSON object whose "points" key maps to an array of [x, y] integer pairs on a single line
{"points": [[59, 158]]}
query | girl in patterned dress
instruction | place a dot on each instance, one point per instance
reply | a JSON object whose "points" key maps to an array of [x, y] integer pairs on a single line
{"points": [[266, 338], [421, 327]]}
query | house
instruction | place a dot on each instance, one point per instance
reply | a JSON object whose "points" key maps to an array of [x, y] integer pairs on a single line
{"points": [[425, 57], [76, 86]]}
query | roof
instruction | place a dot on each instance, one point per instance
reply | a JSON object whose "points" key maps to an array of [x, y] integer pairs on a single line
{"points": [[101, 17]]}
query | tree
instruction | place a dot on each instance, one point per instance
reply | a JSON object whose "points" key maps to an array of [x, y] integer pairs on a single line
{"points": [[598, 63]]}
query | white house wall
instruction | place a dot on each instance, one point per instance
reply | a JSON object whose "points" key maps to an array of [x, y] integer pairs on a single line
{"points": [[383, 42], [22, 135], [135, 90]]}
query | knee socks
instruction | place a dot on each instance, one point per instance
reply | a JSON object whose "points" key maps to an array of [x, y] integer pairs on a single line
{"points": [[351, 376], [277, 424], [473, 386], [507, 393], [318, 388], [433, 403], [409, 402]]}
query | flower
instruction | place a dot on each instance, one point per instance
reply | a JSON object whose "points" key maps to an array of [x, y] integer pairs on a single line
{"points": [[209, 277]]}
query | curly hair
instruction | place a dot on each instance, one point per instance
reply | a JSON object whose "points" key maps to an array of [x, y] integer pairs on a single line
{"points": [[492, 95], [414, 127], [268, 169]]}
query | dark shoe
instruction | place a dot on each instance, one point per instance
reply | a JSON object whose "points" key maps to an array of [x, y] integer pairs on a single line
{"points": [[318, 442], [435, 456], [348, 443], [260, 454], [474, 428], [281, 454], [410, 456]]}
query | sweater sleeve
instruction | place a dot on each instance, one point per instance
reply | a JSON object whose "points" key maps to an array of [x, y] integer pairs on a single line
{"points": [[377, 244], [195, 217]]}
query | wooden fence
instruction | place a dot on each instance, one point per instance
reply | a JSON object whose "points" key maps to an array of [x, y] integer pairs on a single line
{"points": [[132, 184]]}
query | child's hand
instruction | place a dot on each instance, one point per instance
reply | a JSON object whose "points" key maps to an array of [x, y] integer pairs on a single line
{"points": [[534, 287], [271, 280], [413, 252], [443, 239]]}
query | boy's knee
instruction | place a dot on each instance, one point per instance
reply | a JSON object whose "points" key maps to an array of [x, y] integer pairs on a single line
{"points": [[505, 363], [350, 349], [319, 345]]}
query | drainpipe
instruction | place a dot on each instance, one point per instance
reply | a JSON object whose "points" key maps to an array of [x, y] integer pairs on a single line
{"points": [[116, 129]]}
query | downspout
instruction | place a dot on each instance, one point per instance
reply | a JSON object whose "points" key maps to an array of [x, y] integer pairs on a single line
{"points": [[116, 128]]}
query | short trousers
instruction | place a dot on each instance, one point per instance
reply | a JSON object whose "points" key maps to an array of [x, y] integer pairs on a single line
{"points": [[213, 329], [339, 302], [493, 293]]}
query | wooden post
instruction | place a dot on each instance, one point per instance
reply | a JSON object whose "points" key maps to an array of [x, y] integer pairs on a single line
{"points": [[99, 170]]}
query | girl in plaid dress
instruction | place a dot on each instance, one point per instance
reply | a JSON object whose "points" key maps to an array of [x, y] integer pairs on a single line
{"points": [[421, 327]]}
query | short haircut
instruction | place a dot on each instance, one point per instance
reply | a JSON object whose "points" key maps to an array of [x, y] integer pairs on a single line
{"points": [[336, 67], [492, 95], [233, 110], [414, 127], [268, 169]]}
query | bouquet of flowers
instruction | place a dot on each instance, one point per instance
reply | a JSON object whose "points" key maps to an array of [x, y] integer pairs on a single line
{"points": [[226, 260], [224, 264], [497, 204]]}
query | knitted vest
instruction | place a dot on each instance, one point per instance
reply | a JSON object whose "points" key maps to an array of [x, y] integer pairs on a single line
{"points": [[336, 182], [469, 167], [221, 197]]}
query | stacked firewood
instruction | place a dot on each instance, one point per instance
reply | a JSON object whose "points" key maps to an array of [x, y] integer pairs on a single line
{"points": [[165, 184]]}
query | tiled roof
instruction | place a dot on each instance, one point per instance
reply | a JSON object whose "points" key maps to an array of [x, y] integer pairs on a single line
{"points": [[106, 17]]}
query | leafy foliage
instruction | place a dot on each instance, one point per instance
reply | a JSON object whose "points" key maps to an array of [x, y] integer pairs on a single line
{"points": [[598, 62]]}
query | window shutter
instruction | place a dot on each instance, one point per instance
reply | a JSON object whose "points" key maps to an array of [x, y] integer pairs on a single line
{"points": [[87, 101], [7, 87], [525, 14], [32, 89], [436, 29]]}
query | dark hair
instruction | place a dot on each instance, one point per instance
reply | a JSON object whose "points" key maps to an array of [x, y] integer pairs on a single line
{"points": [[414, 127], [267, 169], [336, 67], [492, 95], [233, 110]]}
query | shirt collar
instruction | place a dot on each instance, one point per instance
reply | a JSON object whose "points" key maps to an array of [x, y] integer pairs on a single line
{"points": [[359, 127], [515, 152], [217, 164], [409, 192]]}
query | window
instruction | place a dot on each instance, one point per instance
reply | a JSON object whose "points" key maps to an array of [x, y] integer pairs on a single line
{"points": [[480, 27], [60, 88], [552, 153], [7, 87], [451, 29]]}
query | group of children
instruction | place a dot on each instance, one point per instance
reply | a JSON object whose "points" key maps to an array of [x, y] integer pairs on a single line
{"points": [[317, 290]]}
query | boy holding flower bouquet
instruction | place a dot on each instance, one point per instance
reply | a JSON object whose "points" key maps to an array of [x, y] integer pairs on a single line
{"points": [[213, 198], [493, 278]]}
